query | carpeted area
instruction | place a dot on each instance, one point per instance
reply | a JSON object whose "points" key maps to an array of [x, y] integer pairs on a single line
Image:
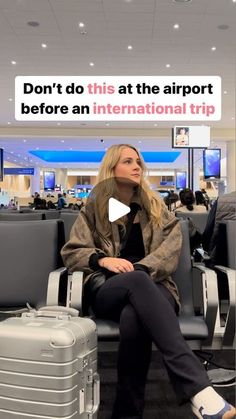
{"points": [[160, 398]]}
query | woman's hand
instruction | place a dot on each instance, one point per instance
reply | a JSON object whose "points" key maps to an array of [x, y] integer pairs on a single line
{"points": [[116, 265]]}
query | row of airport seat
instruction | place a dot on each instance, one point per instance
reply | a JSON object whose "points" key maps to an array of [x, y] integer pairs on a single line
{"points": [[198, 218], [30, 250], [68, 218]]}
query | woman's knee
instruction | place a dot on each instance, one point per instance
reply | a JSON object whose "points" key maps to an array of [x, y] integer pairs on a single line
{"points": [[139, 279]]}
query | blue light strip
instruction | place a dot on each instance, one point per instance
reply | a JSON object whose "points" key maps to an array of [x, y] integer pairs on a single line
{"points": [[66, 156]]}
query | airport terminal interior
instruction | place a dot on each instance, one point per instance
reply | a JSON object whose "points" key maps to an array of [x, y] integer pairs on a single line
{"points": [[49, 163]]}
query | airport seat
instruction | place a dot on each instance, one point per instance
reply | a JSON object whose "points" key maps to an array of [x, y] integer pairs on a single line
{"points": [[49, 214], [69, 219], [198, 330], [226, 275], [29, 251], [198, 218], [31, 216]]}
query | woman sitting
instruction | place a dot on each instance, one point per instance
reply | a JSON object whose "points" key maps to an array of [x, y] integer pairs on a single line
{"points": [[187, 200]]}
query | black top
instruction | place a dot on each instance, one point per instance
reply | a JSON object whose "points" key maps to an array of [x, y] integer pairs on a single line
{"points": [[134, 248], [133, 251]]}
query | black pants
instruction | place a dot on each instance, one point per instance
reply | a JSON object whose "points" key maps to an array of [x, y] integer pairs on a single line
{"points": [[147, 313]]}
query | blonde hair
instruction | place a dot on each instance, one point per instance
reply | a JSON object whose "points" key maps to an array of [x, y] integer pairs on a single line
{"points": [[106, 190]]}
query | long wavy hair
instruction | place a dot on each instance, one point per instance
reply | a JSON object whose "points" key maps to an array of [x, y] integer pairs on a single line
{"points": [[106, 187]]}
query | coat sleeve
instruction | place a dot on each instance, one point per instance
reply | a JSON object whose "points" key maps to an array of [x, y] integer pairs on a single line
{"points": [[77, 251], [163, 261]]}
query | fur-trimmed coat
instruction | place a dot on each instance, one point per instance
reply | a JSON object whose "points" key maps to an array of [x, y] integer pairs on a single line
{"points": [[162, 245]]}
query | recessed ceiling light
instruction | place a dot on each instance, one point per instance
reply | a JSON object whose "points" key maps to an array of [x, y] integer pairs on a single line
{"points": [[129, 47], [181, 1], [176, 26], [223, 27], [10, 99], [44, 45], [33, 23], [155, 125], [213, 48], [62, 141], [13, 62], [58, 123], [9, 123], [91, 64], [24, 141], [71, 148], [37, 148], [168, 65], [81, 25], [107, 124], [234, 1], [233, 118], [225, 92], [140, 142]]}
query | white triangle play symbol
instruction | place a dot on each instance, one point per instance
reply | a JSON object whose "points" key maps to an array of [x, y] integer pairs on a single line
{"points": [[116, 209]]}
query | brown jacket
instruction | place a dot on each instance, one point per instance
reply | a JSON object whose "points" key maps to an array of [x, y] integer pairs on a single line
{"points": [[162, 245]]}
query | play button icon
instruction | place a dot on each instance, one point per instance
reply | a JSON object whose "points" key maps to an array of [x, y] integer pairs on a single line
{"points": [[116, 209]]}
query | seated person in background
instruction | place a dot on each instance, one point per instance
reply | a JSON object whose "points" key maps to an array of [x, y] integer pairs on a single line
{"points": [[43, 204], [51, 205], [79, 203], [136, 256], [187, 200], [171, 200], [187, 207], [201, 200], [206, 196], [11, 204], [224, 208], [37, 201], [61, 203]]}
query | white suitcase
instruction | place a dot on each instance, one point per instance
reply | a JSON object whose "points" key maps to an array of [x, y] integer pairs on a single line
{"points": [[48, 366]]}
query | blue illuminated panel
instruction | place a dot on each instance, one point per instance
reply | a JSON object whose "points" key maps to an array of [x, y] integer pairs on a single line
{"points": [[19, 171], [96, 156]]}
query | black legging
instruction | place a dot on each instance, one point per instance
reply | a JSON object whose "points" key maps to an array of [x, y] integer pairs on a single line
{"points": [[147, 313]]}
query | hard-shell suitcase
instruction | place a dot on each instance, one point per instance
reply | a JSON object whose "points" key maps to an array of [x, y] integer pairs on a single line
{"points": [[48, 366]]}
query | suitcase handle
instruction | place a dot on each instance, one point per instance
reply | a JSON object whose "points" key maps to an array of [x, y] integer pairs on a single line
{"points": [[96, 396], [55, 312]]}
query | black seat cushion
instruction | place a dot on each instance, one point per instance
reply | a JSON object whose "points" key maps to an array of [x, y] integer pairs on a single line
{"points": [[192, 327]]}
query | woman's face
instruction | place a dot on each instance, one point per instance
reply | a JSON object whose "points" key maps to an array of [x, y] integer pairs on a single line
{"points": [[129, 166]]}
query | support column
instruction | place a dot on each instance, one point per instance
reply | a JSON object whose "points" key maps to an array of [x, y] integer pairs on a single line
{"points": [[196, 179], [230, 168], [35, 181], [61, 178]]}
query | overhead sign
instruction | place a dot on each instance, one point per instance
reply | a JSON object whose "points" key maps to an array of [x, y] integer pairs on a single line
{"points": [[19, 171]]}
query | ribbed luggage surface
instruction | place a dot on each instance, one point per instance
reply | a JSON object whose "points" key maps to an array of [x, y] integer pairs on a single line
{"points": [[48, 368]]}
